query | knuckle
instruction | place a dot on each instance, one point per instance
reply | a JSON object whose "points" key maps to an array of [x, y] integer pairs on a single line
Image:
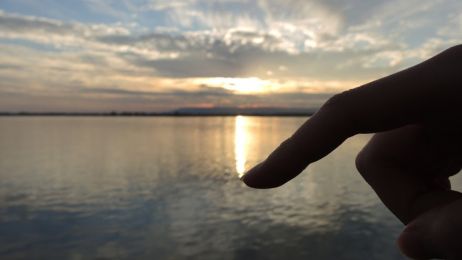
{"points": [[452, 56], [456, 49], [346, 113], [361, 163], [338, 101], [368, 163]]}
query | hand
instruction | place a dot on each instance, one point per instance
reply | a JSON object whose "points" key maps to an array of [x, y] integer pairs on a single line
{"points": [[416, 114]]}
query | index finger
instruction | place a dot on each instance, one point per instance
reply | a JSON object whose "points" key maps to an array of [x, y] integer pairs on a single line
{"points": [[399, 99]]}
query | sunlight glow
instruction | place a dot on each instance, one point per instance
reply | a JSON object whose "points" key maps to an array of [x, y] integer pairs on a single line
{"points": [[241, 85], [241, 140]]}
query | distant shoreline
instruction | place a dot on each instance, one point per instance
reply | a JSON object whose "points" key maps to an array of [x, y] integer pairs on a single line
{"points": [[151, 115], [182, 112]]}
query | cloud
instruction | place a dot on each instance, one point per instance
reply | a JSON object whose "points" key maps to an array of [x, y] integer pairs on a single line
{"points": [[160, 50], [201, 91], [233, 54]]}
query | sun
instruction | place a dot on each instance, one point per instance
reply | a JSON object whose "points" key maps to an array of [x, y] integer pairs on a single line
{"points": [[249, 85]]}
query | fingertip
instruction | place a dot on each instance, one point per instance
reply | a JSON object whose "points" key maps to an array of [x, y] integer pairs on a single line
{"points": [[408, 243], [248, 178], [257, 179], [413, 242]]}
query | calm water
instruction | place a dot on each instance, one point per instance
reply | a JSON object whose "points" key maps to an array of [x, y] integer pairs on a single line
{"points": [[168, 188]]}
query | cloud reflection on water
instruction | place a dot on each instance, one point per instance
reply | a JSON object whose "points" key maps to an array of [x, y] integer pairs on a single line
{"points": [[160, 188]]}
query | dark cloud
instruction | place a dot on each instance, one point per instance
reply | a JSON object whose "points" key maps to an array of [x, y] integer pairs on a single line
{"points": [[219, 59], [10, 67], [156, 41], [20, 24], [203, 90], [190, 66], [110, 99], [217, 95]]}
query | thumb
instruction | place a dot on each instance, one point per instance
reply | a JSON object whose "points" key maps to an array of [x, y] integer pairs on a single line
{"points": [[435, 234]]}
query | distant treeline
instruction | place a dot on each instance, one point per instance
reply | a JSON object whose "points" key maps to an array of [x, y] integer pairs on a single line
{"points": [[218, 111], [79, 114]]}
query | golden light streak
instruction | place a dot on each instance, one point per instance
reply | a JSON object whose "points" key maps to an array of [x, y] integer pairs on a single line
{"points": [[241, 141]]}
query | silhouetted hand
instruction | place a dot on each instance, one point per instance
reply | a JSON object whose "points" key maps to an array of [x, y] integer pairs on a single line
{"points": [[416, 114]]}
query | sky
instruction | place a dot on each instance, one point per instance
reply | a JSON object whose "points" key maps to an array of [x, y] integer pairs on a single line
{"points": [[150, 55]]}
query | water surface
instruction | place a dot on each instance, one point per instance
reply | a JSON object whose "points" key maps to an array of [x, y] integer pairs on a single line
{"points": [[168, 188]]}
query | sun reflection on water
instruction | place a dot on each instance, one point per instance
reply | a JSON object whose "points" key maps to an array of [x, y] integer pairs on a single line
{"points": [[241, 141]]}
